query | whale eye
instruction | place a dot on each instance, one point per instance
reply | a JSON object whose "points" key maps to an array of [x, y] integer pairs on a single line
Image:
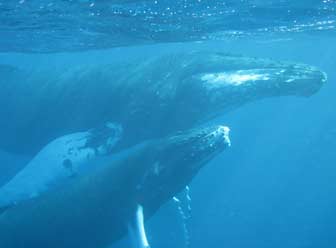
{"points": [[67, 163]]}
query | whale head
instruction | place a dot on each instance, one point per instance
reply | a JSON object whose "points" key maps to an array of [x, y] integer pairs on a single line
{"points": [[221, 82], [194, 148], [176, 160]]}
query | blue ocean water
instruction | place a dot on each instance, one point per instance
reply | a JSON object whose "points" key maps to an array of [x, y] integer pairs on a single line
{"points": [[275, 186]]}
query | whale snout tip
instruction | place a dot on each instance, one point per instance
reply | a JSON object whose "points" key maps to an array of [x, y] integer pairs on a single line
{"points": [[225, 131], [222, 134], [313, 82]]}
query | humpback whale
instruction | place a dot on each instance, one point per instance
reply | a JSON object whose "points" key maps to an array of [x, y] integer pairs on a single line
{"points": [[149, 97], [99, 207]]}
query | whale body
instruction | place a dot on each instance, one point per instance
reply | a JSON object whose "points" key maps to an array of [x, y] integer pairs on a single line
{"points": [[150, 97], [98, 208]]}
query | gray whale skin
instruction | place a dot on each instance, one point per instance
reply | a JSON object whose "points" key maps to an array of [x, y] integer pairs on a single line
{"points": [[149, 98], [94, 210]]}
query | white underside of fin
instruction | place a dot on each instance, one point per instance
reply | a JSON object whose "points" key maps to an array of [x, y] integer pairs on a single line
{"points": [[136, 230]]}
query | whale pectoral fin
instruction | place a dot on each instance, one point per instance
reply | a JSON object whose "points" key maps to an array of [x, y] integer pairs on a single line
{"points": [[136, 230]]}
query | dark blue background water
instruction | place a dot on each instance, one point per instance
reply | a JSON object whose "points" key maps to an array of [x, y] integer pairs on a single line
{"points": [[276, 186]]}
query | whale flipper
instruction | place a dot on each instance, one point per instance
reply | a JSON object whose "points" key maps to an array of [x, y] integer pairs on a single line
{"points": [[136, 230]]}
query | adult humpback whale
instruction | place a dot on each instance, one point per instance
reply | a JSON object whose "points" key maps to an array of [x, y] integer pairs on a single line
{"points": [[96, 209], [149, 98]]}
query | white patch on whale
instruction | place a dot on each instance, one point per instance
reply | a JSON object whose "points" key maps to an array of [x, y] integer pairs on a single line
{"points": [[234, 78], [61, 159], [222, 132]]}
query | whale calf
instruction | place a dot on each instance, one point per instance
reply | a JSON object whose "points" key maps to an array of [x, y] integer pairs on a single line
{"points": [[149, 97], [98, 208]]}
